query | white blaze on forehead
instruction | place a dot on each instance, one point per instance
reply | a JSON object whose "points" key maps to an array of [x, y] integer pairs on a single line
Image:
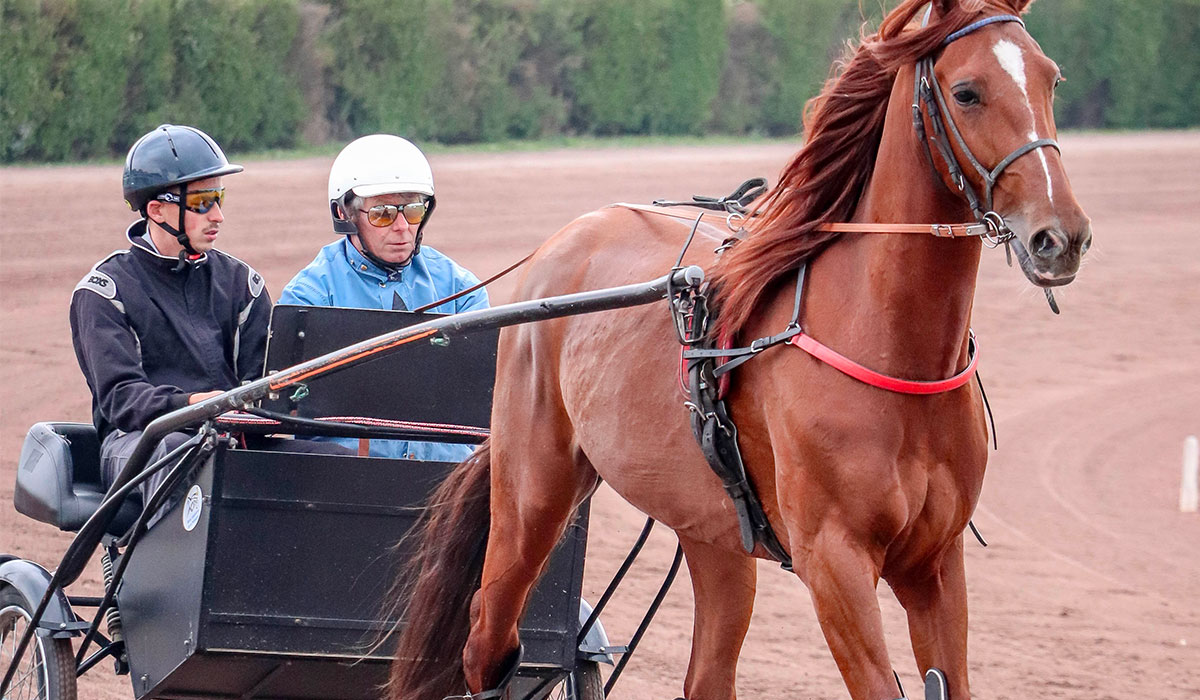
{"points": [[1012, 60]]}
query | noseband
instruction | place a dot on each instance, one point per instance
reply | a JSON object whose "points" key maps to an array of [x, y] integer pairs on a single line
{"points": [[928, 93]]}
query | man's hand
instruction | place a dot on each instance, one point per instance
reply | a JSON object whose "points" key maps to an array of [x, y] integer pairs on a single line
{"points": [[201, 396]]}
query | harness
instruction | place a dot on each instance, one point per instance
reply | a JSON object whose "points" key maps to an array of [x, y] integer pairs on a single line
{"points": [[706, 380]]}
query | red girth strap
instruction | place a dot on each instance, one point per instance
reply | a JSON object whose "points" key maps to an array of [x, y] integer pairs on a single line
{"points": [[851, 368]]}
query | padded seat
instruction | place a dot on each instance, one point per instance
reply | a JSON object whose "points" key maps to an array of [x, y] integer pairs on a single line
{"points": [[58, 478]]}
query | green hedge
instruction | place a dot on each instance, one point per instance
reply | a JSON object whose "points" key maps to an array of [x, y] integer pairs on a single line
{"points": [[83, 78], [1128, 63], [648, 66]]}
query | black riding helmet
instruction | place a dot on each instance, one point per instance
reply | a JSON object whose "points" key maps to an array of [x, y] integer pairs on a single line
{"points": [[168, 157]]}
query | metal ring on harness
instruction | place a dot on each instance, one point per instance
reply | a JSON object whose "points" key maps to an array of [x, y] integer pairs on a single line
{"points": [[997, 230], [735, 216]]}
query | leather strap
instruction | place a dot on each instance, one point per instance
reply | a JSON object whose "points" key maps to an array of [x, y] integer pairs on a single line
{"points": [[734, 202], [958, 230], [865, 375], [468, 290], [965, 230]]}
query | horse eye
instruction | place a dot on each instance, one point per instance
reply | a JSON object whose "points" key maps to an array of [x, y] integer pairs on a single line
{"points": [[966, 97]]}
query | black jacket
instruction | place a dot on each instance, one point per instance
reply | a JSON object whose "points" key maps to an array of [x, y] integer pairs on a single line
{"points": [[146, 336]]}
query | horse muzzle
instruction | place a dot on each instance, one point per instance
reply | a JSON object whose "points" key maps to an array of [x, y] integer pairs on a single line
{"points": [[1051, 256]]}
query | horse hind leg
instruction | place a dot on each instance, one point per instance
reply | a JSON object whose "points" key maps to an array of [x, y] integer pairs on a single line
{"points": [[536, 486], [723, 585]]}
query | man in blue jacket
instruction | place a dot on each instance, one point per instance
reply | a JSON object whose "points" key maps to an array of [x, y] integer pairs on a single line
{"points": [[171, 320], [381, 196]]}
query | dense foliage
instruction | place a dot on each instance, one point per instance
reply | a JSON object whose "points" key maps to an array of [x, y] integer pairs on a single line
{"points": [[83, 78]]}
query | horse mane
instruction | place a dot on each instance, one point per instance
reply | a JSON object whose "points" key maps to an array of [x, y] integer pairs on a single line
{"points": [[825, 180]]}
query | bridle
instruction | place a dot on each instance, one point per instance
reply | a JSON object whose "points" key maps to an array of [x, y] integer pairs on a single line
{"points": [[929, 100], [704, 381]]}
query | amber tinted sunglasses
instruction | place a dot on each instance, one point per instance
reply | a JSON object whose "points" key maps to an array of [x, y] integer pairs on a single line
{"points": [[382, 215], [199, 201]]}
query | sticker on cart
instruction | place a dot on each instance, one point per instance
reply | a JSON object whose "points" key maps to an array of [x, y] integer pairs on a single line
{"points": [[192, 505]]}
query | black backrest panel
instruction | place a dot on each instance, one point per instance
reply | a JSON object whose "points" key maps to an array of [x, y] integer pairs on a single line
{"points": [[442, 382]]}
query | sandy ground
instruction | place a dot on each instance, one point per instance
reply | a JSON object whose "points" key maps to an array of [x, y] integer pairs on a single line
{"points": [[1091, 588]]}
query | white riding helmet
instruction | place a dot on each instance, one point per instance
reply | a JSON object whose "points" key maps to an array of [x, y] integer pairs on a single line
{"points": [[374, 165]]}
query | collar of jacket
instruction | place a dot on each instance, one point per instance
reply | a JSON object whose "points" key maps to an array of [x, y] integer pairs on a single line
{"points": [[365, 268], [137, 235]]}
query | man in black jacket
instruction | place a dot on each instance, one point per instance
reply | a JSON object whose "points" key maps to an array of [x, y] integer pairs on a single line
{"points": [[171, 320]]}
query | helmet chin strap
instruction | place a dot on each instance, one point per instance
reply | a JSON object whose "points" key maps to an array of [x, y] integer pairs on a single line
{"points": [[421, 229], [180, 233], [365, 247]]}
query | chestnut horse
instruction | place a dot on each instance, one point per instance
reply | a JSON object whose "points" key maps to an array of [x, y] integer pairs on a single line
{"points": [[857, 482]]}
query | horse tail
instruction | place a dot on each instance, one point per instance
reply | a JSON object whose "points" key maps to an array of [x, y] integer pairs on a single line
{"points": [[436, 584]]}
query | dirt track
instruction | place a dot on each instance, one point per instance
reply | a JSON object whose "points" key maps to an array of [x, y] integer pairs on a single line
{"points": [[1091, 588]]}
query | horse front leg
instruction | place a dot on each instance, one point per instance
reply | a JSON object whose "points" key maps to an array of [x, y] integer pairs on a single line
{"points": [[842, 578], [723, 585], [935, 600]]}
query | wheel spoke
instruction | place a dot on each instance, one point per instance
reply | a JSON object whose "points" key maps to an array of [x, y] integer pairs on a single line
{"points": [[29, 681]]}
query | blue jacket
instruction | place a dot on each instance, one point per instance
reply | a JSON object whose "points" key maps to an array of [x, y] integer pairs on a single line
{"points": [[147, 337], [342, 276]]}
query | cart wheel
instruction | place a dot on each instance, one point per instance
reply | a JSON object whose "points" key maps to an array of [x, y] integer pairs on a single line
{"points": [[46, 671], [585, 682]]}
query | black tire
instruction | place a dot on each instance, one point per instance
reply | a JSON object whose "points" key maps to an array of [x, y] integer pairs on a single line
{"points": [[585, 682], [46, 671]]}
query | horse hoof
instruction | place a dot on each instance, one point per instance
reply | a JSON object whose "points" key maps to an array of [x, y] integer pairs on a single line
{"points": [[511, 664], [935, 685]]}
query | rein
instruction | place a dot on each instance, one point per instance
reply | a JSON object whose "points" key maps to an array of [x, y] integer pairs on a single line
{"points": [[989, 230], [472, 288]]}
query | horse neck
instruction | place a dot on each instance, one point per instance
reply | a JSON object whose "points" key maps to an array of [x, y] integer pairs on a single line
{"points": [[914, 292]]}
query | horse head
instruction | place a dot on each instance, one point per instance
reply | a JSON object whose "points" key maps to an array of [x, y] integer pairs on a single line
{"points": [[943, 115], [992, 89]]}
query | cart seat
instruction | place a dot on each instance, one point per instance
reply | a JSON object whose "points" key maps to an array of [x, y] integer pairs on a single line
{"points": [[58, 478]]}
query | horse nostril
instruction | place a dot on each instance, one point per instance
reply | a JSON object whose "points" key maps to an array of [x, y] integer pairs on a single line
{"points": [[1046, 244], [1086, 245]]}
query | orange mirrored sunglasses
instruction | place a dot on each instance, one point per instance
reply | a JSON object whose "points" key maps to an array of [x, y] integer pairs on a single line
{"points": [[382, 215], [199, 201]]}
